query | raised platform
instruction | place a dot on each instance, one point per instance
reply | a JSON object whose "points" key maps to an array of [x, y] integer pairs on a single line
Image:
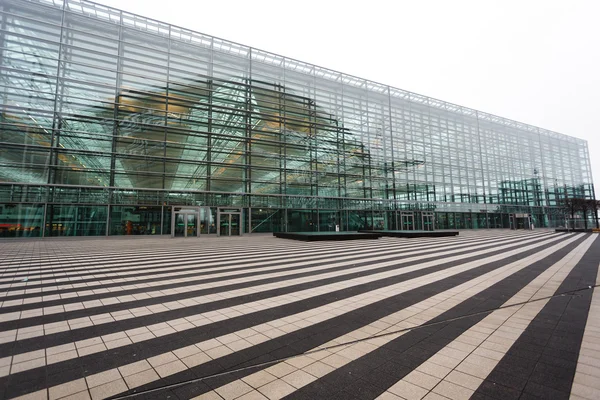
{"points": [[317, 236], [414, 234], [577, 230]]}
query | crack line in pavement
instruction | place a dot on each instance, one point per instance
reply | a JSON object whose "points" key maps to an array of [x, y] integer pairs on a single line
{"points": [[173, 385]]}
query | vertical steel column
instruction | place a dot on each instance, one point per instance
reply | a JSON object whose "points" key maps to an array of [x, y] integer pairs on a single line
{"points": [[487, 224], [392, 151], [210, 88], [115, 122], [166, 122], [55, 123], [546, 206], [247, 146], [283, 148], [52, 156]]}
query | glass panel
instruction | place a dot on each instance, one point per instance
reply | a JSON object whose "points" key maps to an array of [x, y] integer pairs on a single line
{"points": [[76, 220], [441, 220], [428, 222], [302, 221], [21, 220], [192, 225], [328, 221], [507, 221], [391, 220], [224, 225], [179, 225], [357, 220], [205, 221], [459, 220], [266, 220], [166, 221], [451, 224], [135, 220], [380, 220], [408, 222], [235, 224], [213, 220]]}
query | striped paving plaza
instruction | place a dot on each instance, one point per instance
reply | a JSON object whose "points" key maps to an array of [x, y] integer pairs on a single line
{"points": [[484, 315]]}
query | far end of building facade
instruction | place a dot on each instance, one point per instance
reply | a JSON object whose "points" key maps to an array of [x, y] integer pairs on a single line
{"points": [[114, 124]]}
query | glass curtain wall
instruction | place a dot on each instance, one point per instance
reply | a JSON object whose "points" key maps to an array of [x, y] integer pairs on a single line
{"points": [[113, 118]]}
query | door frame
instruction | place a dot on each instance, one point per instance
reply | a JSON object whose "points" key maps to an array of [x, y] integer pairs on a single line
{"points": [[428, 214], [410, 215], [185, 211], [228, 211]]}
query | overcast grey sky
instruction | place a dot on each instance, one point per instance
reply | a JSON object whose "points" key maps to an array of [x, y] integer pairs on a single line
{"points": [[534, 61]]}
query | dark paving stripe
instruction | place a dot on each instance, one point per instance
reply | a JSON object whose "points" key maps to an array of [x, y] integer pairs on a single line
{"points": [[285, 346], [148, 263], [308, 338], [99, 261], [198, 266], [56, 339], [199, 260], [33, 321], [204, 247], [142, 264], [393, 361], [543, 360], [83, 260]]}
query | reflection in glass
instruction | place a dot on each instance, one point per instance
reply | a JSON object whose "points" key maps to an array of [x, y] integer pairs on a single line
{"points": [[21, 220], [191, 226], [140, 119], [132, 220], [180, 227], [235, 227]]}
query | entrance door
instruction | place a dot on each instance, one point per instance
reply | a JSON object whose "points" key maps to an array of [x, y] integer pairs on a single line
{"points": [[191, 225], [189, 221], [408, 221], [229, 222], [205, 221], [180, 222], [428, 221], [392, 217], [186, 224]]}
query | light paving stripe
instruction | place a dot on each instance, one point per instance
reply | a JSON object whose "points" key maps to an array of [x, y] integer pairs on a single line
{"points": [[458, 369], [266, 246], [194, 320], [158, 295], [189, 314], [322, 254], [205, 269], [375, 296], [120, 271], [201, 263], [234, 251], [586, 384], [295, 373], [407, 353], [543, 360], [208, 247], [125, 264], [193, 356]]}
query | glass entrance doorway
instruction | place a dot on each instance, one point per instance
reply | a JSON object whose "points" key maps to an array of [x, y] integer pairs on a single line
{"points": [[520, 221], [229, 221], [407, 221], [189, 221], [428, 221]]}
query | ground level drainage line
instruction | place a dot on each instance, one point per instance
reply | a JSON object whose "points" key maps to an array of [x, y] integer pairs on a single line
{"points": [[174, 385]]}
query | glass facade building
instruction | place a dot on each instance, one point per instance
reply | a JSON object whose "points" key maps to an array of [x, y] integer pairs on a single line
{"points": [[114, 124]]}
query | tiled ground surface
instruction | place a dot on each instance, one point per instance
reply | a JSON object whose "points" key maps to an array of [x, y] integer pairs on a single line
{"points": [[485, 315]]}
